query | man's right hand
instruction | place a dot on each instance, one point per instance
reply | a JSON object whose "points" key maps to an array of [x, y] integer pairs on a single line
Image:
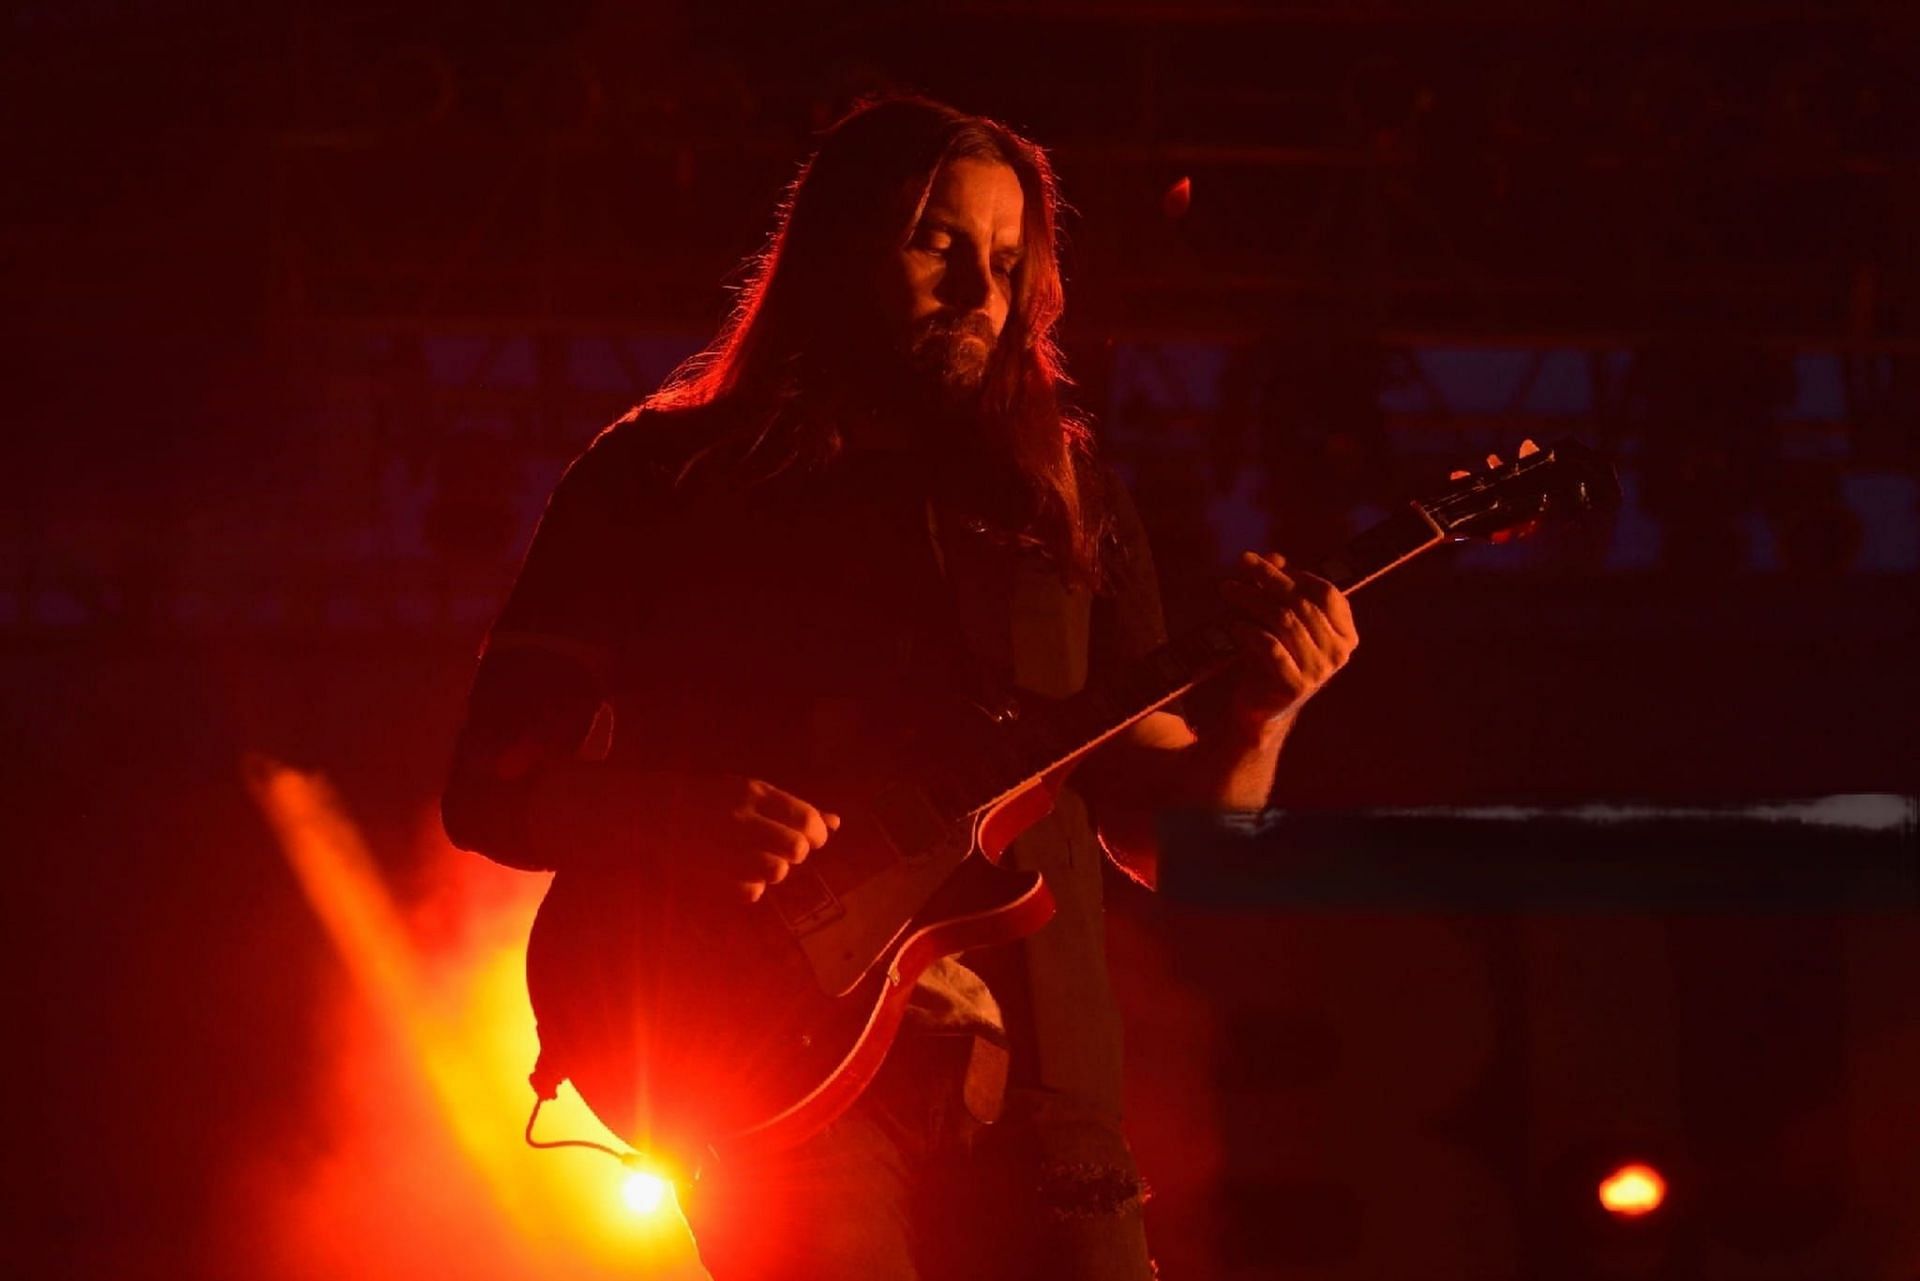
{"points": [[733, 834]]}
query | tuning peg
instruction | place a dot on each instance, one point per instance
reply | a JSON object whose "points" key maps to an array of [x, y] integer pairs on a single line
{"points": [[1525, 529], [1458, 475], [1493, 460], [1528, 449]]}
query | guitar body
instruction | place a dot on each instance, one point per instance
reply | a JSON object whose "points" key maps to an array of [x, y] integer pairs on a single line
{"points": [[725, 1029], [715, 1029]]}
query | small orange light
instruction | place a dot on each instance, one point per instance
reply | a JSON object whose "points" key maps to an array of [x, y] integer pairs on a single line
{"points": [[1177, 200], [1633, 1190], [643, 1192]]}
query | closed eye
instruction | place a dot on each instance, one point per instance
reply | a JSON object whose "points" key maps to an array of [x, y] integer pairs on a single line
{"points": [[933, 239]]}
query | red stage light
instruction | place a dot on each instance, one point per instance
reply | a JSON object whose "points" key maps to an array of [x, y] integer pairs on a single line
{"points": [[1177, 199], [1633, 1190]]}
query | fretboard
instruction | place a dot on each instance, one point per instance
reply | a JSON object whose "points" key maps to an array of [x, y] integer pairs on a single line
{"points": [[1050, 738]]}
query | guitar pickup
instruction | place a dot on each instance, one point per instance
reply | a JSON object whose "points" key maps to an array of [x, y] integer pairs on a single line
{"points": [[805, 902]]}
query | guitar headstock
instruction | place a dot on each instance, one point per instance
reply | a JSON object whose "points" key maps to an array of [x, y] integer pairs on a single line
{"points": [[1563, 479]]}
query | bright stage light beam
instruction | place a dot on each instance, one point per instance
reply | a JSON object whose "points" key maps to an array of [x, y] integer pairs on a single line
{"points": [[450, 999], [1633, 1190], [644, 1193]]}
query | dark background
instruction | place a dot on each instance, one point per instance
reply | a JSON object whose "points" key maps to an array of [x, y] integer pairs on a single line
{"points": [[309, 304]]}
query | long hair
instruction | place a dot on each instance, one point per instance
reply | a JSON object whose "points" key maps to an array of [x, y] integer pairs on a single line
{"points": [[795, 350]]}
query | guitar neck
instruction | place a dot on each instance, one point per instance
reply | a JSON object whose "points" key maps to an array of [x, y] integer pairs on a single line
{"points": [[1074, 726]]}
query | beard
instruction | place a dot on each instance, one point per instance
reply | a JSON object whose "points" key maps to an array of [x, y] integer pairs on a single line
{"points": [[949, 356], [919, 388]]}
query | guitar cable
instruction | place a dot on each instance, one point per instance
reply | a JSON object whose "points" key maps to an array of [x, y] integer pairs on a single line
{"points": [[628, 1159], [546, 1087]]}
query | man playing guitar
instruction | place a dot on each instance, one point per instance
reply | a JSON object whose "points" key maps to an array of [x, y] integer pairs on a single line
{"points": [[865, 497]]}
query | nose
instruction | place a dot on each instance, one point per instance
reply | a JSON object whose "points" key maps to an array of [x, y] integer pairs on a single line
{"points": [[967, 282]]}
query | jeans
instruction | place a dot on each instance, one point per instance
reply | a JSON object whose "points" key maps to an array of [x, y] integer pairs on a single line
{"points": [[915, 1184]]}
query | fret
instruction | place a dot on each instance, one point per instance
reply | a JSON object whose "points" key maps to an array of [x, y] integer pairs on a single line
{"points": [[1056, 734], [1050, 738], [1404, 534], [1070, 727]]}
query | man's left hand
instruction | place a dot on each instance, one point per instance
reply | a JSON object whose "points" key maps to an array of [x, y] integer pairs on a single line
{"points": [[1303, 633]]}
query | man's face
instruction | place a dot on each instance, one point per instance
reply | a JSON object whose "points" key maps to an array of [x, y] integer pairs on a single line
{"points": [[947, 291]]}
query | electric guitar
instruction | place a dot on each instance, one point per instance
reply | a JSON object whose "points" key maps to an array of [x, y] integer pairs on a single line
{"points": [[712, 1031]]}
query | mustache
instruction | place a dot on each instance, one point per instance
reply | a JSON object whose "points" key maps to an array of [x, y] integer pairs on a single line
{"points": [[973, 324]]}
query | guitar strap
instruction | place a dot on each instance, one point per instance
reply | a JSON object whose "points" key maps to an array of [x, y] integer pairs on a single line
{"points": [[1019, 624], [1023, 626]]}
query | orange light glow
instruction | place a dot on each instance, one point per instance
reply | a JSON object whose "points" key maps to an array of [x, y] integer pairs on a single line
{"points": [[411, 1161], [644, 1193], [1177, 200], [1633, 1190]]}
